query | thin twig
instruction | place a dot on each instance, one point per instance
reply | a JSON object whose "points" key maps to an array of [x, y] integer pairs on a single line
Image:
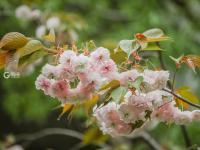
{"points": [[47, 132], [162, 64], [160, 57], [149, 140], [52, 131], [174, 78], [181, 98]]}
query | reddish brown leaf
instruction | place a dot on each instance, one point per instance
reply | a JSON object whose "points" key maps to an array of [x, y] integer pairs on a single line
{"points": [[3, 56], [195, 59]]}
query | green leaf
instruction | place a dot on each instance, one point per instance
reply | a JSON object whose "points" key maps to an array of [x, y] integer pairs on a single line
{"points": [[24, 60], [28, 59], [128, 46], [104, 98], [148, 114], [137, 83], [138, 124], [94, 136], [152, 47], [90, 45], [118, 94], [112, 84], [154, 33], [51, 36], [35, 56], [65, 109], [118, 57], [89, 103], [142, 44], [30, 47], [176, 60]]}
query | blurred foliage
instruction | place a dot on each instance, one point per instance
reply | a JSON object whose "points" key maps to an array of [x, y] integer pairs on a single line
{"points": [[22, 103], [173, 132], [108, 21]]}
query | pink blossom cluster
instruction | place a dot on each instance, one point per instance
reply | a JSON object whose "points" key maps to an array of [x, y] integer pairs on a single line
{"points": [[109, 119], [152, 80], [91, 72], [77, 77], [145, 105], [132, 114], [138, 110], [170, 114]]}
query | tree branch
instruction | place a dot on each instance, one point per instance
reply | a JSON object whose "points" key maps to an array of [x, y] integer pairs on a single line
{"points": [[181, 98], [47, 132], [149, 140], [160, 57], [185, 134], [52, 131]]}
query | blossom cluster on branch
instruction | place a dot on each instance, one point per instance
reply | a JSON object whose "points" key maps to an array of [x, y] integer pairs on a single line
{"points": [[90, 73], [124, 94], [77, 77]]}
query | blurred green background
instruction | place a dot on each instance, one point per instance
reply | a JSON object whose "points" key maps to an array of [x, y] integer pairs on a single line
{"points": [[23, 109]]}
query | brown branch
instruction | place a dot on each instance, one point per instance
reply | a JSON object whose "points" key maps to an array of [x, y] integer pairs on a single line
{"points": [[181, 98]]}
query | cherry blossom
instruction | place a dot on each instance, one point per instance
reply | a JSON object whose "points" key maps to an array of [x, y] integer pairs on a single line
{"points": [[109, 119], [77, 77], [100, 55]]}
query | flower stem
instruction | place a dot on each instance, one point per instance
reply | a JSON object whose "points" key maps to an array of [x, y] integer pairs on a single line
{"points": [[51, 51], [174, 78]]}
